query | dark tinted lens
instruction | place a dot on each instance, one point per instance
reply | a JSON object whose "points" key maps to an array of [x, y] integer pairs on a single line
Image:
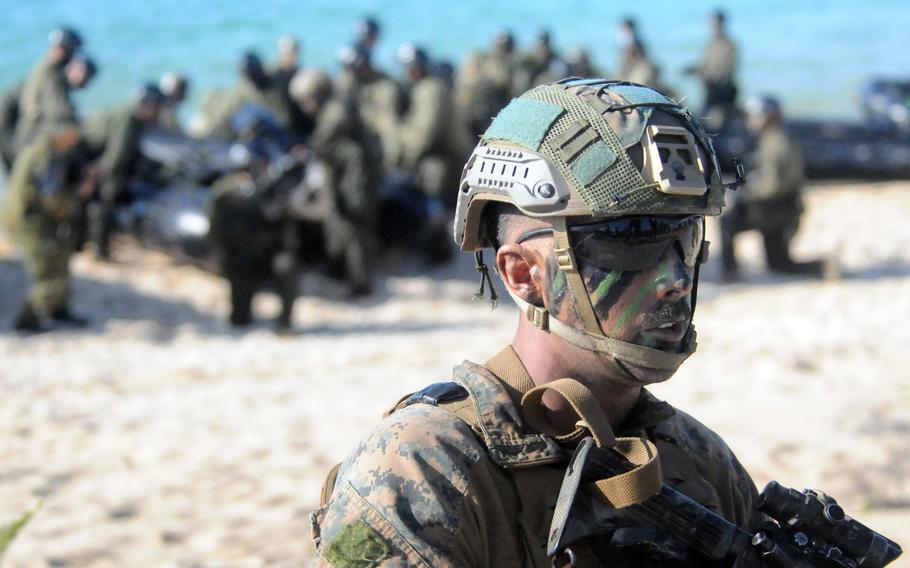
{"points": [[636, 243]]}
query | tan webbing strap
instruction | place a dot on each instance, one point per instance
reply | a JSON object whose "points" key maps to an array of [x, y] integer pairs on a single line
{"points": [[628, 488], [328, 486], [583, 403], [565, 259], [626, 352]]}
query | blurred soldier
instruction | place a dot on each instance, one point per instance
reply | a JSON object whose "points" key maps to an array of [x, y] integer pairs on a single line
{"points": [[770, 202], [717, 72], [637, 68], [354, 170], [579, 61], [280, 75], [428, 135], [79, 72], [254, 239], [45, 103], [534, 64], [473, 472], [254, 87], [485, 83], [379, 99], [366, 35], [174, 87], [113, 136], [41, 211], [626, 39]]}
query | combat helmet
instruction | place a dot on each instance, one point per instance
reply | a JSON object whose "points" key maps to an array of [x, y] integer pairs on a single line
{"points": [[590, 148]]}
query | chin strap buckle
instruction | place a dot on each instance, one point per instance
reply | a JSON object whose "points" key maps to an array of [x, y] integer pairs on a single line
{"points": [[539, 317]]}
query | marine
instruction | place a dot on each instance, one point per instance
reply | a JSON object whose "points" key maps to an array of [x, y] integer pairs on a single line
{"points": [[79, 72], [717, 72], [353, 170], [41, 211], [254, 241], [45, 103], [592, 195], [175, 87], [771, 201], [428, 137], [485, 83], [113, 136]]}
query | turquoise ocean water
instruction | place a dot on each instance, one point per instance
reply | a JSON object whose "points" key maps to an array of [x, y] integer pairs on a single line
{"points": [[814, 54]]}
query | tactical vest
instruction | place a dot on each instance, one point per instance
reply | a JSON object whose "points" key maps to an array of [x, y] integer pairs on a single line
{"points": [[536, 463]]}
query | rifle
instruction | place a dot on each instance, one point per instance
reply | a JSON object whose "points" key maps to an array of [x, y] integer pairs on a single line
{"points": [[805, 529]]}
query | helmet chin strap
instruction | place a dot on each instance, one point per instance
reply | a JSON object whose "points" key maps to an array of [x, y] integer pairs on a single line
{"points": [[592, 338]]}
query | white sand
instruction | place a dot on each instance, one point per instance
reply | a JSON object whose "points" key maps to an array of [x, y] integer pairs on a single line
{"points": [[159, 437]]}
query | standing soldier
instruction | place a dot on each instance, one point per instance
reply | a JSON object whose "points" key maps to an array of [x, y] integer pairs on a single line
{"points": [[626, 39], [717, 72], [113, 136], [485, 83], [428, 137], [41, 211], [379, 100], [366, 35], [254, 87], [174, 87], [253, 237], [637, 68], [79, 72], [45, 103], [534, 64], [598, 241], [354, 170], [770, 201]]}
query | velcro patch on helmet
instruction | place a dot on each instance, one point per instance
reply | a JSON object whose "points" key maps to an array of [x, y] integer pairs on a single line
{"points": [[524, 122], [637, 95], [595, 159]]}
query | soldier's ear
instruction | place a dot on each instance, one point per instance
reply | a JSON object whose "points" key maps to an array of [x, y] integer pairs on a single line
{"points": [[523, 272]]}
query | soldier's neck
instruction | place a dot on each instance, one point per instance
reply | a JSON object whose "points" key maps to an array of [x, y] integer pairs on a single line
{"points": [[548, 358]]}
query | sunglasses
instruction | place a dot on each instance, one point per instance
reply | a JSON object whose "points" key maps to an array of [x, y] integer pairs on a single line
{"points": [[634, 243]]}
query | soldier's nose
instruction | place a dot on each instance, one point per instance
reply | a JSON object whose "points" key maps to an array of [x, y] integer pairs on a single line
{"points": [[674, 278]]}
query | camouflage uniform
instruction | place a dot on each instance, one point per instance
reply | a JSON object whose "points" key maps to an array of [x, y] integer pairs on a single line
{"points": [[45, 102], [113, 136], [428, 138], [40, 211], [472, 484], [269, 97], [770, 202], [717, 72], [342, 142], [484, 86], [379, 104]]}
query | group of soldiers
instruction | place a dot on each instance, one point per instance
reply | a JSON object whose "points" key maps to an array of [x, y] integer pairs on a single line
{"points": [[67, 176]]}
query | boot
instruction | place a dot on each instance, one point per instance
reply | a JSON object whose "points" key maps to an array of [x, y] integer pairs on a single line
{"points": [[65, 316], [29, 322]]}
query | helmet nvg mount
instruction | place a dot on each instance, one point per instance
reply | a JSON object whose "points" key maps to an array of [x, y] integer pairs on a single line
{"points": [[590, 148]]}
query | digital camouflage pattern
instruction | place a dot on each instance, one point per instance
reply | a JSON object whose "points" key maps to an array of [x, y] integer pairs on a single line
{"points": [[470, 484]]}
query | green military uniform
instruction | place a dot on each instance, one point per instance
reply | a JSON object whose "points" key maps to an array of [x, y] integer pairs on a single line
{"points": [[45, 103], [379, 104], [243, 93], [9, 118], [770, 202], [343, 144], [470, 483], [113, 136], [429, 138], [485, 84], [40, 211], [169, 118]]}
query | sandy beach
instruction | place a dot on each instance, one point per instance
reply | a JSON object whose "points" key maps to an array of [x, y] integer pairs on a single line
{"points": [[159, 436]]}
